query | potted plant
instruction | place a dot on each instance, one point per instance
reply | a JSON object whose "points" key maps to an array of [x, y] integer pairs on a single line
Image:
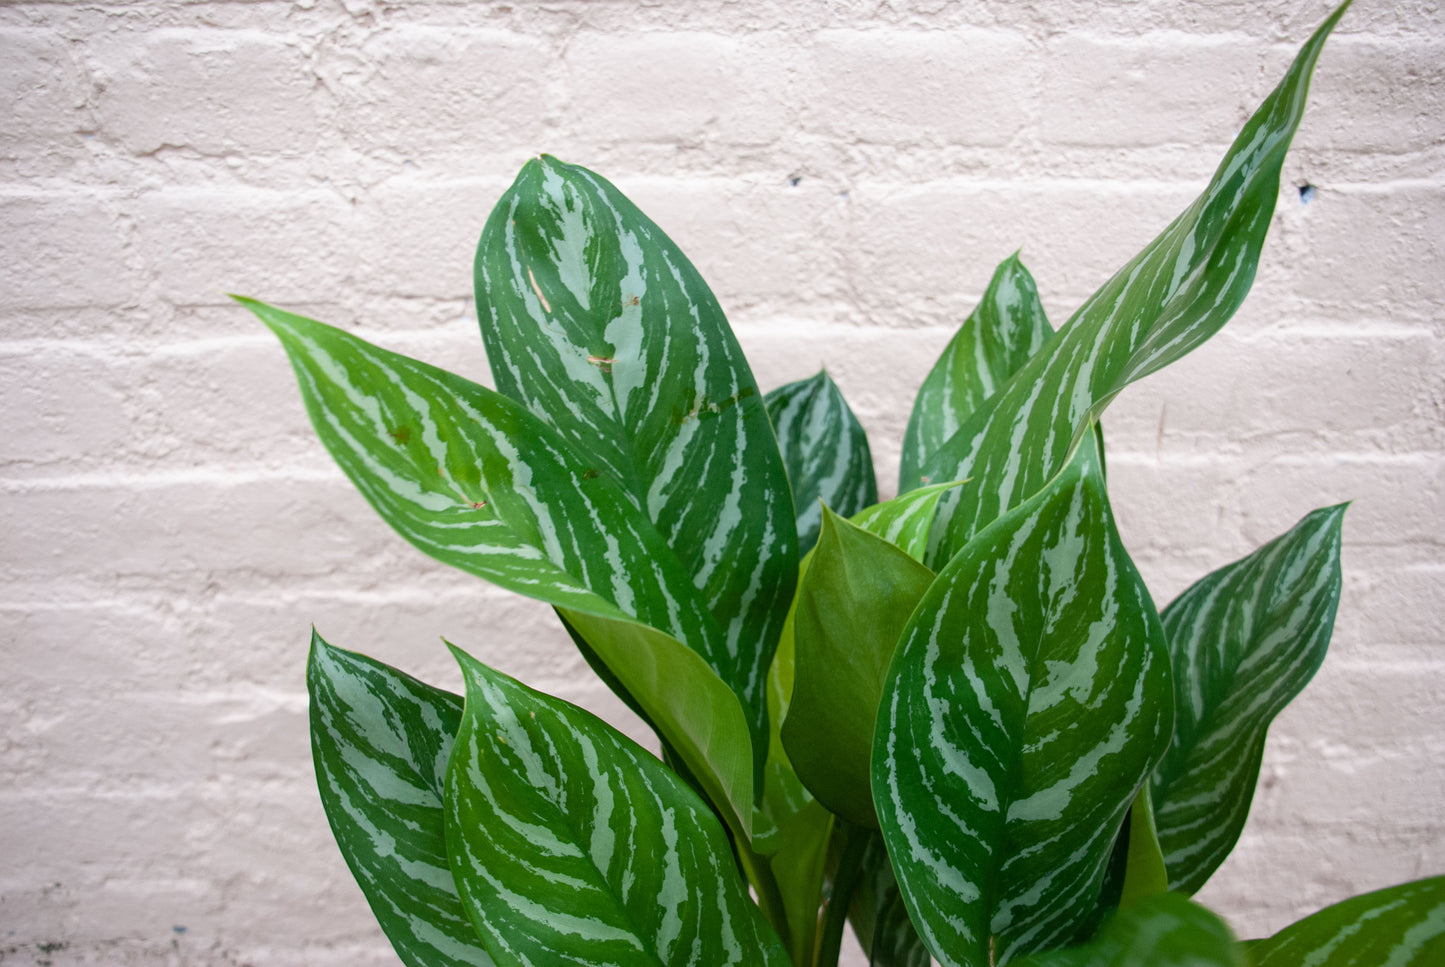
{"points": [[955, 718]]}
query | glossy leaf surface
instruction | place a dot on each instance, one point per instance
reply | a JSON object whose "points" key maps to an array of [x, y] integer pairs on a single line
{"points": [[599, 324], [906, 519], [994, 342], [825, 451], [1167, 300], [853, 603], [471, 478], [1244, 641], [1166, 930], [1401, 926], [477, 482], [571, 844], [1028, 700], [380, 741]]}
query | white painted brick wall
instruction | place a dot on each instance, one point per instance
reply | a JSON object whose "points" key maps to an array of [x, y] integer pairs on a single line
{"points": [[846, 175]]}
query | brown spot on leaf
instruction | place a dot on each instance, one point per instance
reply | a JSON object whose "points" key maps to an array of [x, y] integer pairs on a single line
{"points": [[400, 434]]}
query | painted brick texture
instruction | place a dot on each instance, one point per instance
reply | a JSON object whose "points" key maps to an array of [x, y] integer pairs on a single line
{"points": [[846, 176]]}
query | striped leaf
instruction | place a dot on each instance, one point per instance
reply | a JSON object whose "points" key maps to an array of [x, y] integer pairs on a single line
{"points": [[572, 845], [853, 602], [471, 478], [1166, 930], [906, 519], [994, 342], [1167, 300], [1244, 641], [380, 741], [598, 323], [1028, 700], [694, 712], [879, 916], [824, 450], [1402, 926]]}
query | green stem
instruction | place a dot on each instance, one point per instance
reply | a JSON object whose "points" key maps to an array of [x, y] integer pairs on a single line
{"points": [[845, 881]]}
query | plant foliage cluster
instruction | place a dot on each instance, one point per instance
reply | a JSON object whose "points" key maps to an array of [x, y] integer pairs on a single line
{"points": [[954, 718]]}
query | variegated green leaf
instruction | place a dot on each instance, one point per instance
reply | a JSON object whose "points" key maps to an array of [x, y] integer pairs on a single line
{"points": [[570, 844], [997, 338], [853, 602], [1028, 701], [905, 520], [474, 480], [598, 323], [471, 478], [380, 741], [1244, 641], [1167, 300], [824, 450], [879, 916], [1165, 930], [1401, 926], [693, 711]]}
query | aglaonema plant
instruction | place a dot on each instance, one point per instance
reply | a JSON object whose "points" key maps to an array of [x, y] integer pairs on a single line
{"points": [[954, 718]]}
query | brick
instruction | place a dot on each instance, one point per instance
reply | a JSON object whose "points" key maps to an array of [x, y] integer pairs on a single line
{"points": [[968, 87], [213, 91], [72, 408], [1375, 95], [1158, 89], [675, 86], [931, 249], [770, 245], [1393, 231], [439, 96], [201, 243], [419, 238], [144, 533], [1327, 865], [45, 94], [65, 249], [1305, 390]]}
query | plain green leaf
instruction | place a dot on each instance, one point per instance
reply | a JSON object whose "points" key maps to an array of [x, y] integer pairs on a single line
{"points": [[570, 844], [1165, 930], [1028, 701], [996, 339], [1244, 641], [1167, 300], [798, 864], [1401, 926], [825, 451], [595, 320], [1144, 872], [853, 602], [380, 741]]}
